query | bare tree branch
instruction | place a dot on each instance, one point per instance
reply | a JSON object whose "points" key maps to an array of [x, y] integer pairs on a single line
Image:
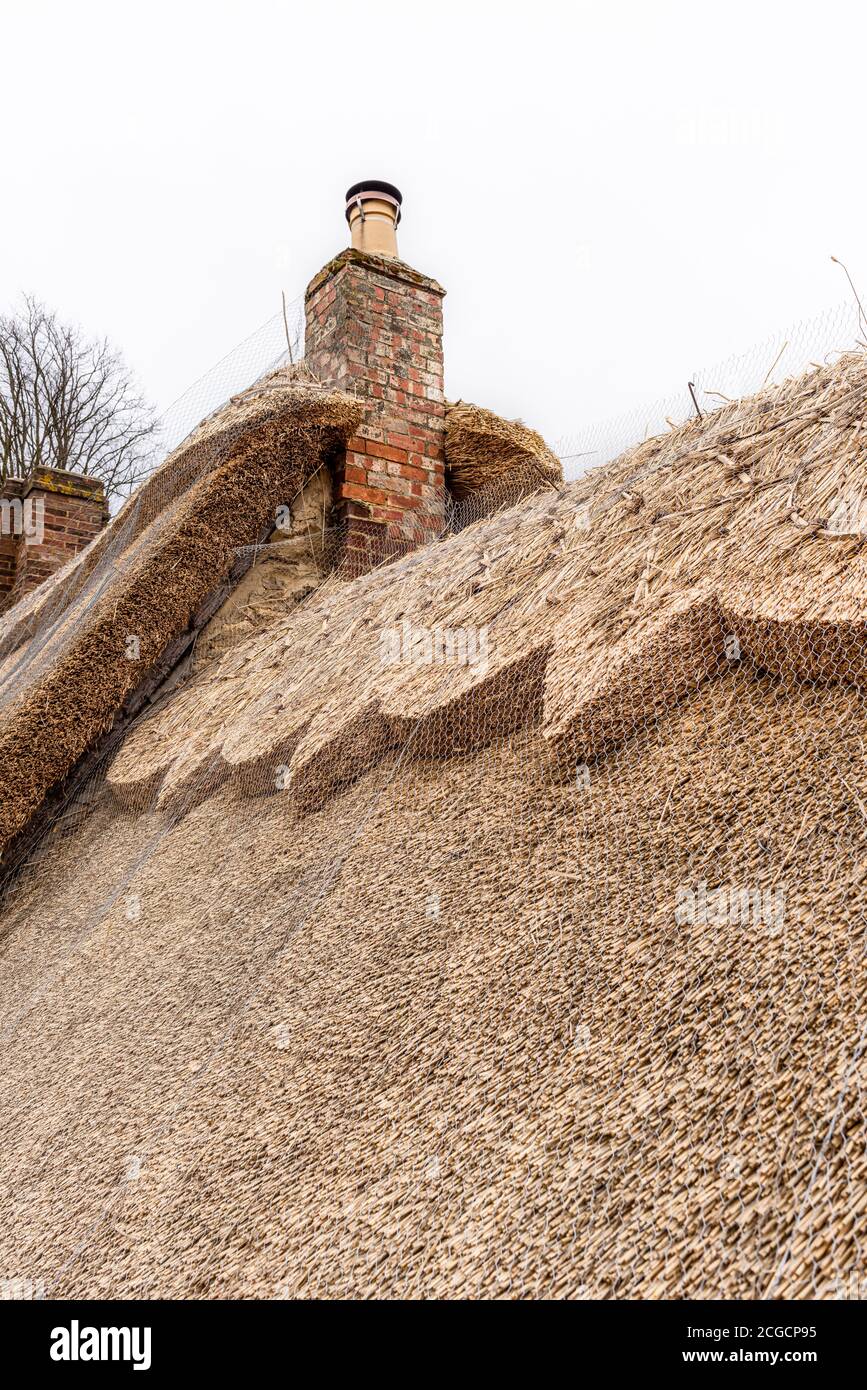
{"points": [[69, 402]]}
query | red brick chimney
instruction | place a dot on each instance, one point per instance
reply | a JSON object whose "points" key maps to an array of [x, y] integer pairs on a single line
{"points": [[45, 520], [374, 327]]}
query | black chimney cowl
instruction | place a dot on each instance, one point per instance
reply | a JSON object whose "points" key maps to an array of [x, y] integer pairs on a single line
{"points": [[375, 186]]}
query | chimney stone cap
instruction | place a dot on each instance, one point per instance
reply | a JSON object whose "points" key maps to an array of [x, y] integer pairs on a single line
{"points": [[61, 480], [380, 265]]}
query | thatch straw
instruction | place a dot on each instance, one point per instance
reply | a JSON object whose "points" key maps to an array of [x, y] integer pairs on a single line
{"points": [[294, 1025], [483, 449], [203, 449]]}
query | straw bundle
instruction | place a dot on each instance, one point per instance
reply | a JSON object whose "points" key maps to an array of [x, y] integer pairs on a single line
{"points": [[190, 724], [483, 450]]}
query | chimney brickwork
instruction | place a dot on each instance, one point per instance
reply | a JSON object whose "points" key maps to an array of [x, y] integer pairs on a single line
{"points": [[11, 530], [374, 327], [46, 520]]}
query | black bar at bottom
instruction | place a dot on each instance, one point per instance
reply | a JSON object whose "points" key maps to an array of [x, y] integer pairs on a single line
{"points": [[161, 1340]]}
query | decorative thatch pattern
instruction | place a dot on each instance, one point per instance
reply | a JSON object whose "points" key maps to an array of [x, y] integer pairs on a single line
{"points": [[613, 598]]}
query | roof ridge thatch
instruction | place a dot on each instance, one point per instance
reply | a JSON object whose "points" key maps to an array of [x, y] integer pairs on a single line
{"points": [[225, 485], [185, 464]]}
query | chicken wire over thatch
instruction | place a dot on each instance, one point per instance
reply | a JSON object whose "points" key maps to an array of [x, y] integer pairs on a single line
{"points": [[488, 925]]}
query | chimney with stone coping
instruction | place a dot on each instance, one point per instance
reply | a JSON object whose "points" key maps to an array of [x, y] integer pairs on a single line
{"points": [[45, 520], [374, 328]]}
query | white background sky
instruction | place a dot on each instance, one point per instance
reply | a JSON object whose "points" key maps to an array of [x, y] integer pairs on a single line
{"points": [[612, 194]]}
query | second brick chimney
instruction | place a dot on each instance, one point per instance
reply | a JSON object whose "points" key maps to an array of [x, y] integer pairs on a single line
{"points": [[374, 327], [45, 520]]}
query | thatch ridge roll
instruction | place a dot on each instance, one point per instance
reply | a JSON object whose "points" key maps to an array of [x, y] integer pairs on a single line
{"points": [[204, 448], [48, 727], [483, 449]]}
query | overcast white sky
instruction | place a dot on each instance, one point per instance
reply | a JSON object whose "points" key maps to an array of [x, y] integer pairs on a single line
{"points": [[612, 194]]}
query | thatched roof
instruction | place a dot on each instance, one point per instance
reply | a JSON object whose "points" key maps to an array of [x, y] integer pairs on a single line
{"points": [[374, 973]]}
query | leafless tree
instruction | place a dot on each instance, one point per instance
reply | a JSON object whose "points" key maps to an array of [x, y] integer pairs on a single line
{"points": [[67, 401]]}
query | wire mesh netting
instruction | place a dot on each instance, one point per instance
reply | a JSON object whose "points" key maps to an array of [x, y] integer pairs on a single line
{"points": [[278, 341], [490, 924], [815, 341]]}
